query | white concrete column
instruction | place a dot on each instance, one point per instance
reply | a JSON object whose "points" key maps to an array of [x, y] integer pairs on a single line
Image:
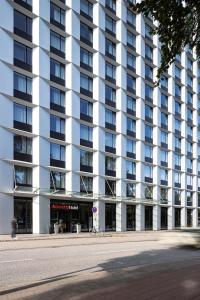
{"points": [[183, 217], [156, 217], [139, 217], [171, 220], [121, 216], [99, 216], [41, 214], [6, 213]]}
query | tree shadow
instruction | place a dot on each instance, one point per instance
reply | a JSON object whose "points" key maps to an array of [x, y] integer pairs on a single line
{"points": [[129, 277]]}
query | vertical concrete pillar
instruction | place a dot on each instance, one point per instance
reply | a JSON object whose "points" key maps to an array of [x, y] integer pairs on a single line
{"points": [[139, 217], [41, 214], [171, 221], [6, 213], [183, 217], [156, 217], [99, 216], [121, 216]]}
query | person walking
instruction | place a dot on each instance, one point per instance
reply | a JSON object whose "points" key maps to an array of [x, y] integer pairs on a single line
{"points": [[13, 227]]}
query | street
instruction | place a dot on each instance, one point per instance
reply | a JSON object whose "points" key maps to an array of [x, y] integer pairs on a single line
{"points": [[130, 267]]}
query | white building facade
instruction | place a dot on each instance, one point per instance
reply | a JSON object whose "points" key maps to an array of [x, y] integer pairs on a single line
{"points": [[85, 136]]}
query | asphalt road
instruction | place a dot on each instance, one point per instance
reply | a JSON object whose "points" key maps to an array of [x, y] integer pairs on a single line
{"points": [[101, 268]]}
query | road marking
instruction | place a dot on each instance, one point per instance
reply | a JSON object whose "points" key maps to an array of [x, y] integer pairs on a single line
{"points": [[114, 251], [15, 260]]}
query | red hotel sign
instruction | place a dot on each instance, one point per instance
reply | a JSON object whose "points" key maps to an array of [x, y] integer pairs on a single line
{"points": [[64, 206]]}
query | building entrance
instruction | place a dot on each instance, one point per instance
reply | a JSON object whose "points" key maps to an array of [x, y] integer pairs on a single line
{"points": [[189, 217], [23, 214], [130, 217], [70, 213], [148, 217], [164, 217], [110, 217], [177, 217]]}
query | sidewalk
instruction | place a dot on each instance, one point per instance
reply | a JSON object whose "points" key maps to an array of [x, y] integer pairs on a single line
{"points": [[168, 235]]}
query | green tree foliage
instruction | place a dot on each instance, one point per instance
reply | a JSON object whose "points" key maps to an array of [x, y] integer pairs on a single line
{"points": [[178, 26]]}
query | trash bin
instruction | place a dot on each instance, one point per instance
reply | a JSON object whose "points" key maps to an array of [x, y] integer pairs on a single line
{"points": [[78, 228], [56, 228]]}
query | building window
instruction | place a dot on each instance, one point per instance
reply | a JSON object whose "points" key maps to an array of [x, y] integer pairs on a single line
{"points": [[189, 114], [177, 197], [164, 195], [22, 83], [131, 61], [86, 33], [86, 83], [148, 92], [57, 41], [110, 188], [148, 171], [23, 176], [164, 120], [22, 114], [22, 25], [163, 175], [177, 108], [131, 125], [177, 178], [177, 160], [189, 81], [164, 82], [57, 152], [189, 148], [86, 58], [110, 116], [164, 156], [177, 90], [177, 143], [149, 152], [110, 93], [86, 8], [130, 104], [131, 39], [22, 53], [110, 163], [131, 190], [110, 48], [148, 132], [189, 64], [110, 71], [164, 137], [148, 72], [164, 101], [22, 144], [131, 83], [148, 113], [86, 184], [57, 69], [130, 167], [148, 192], [86, 108], [148, 52], [57, 96], [86, 133], [110, 140], [131, 18], [57, 124], [111, 4], [86, 158], [57, 180], [110, 25], [177, 73], [130, 146], [189, 98], [148, 31], [189, 197], [177, 125], [57, 15]]}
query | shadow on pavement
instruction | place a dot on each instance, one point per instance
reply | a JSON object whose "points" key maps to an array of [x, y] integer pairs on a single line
{"points": [[156, 274]]}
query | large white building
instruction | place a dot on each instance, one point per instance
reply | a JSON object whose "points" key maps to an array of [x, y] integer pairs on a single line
{"points": [[85, 137]]}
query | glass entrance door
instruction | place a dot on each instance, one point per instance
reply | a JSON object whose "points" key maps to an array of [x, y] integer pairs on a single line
{"points": [[177, 217], [148, 217], [23, 214], [130, 217], [110, 217], [164, 218]]}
